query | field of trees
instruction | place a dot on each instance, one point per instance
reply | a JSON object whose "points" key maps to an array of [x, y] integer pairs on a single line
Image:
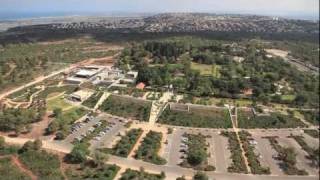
{"points": [[196, 117], [20, 63], [127, 107], [19, 120]]}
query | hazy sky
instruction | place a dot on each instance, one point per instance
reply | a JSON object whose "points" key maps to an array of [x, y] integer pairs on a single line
{"points": [[280, 7]]}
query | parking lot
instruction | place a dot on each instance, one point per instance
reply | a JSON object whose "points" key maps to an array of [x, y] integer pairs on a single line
{"points": [[218, 148], [81, 128], [108, 135], [88, 124], [302, 161], [268, 153]]}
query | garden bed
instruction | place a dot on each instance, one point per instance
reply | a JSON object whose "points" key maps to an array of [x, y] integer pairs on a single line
{"points": [[238, 163], [197, 117], [149, 148]]}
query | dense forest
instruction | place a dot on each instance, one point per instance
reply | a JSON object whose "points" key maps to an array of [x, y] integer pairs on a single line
{"points": [[204, 68]]}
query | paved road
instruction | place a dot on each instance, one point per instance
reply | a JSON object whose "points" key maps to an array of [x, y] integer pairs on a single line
{"points": [[172, 172]]}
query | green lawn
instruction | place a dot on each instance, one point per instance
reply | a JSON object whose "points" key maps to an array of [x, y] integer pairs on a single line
{"points": [[57, 102], [288, 97], [206, 70]]}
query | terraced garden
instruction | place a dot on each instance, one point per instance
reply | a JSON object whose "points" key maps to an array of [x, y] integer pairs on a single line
{"points": [[246, 119], [196, 117], [127, 107]]}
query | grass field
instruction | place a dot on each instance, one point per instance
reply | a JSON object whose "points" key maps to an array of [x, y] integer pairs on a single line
{"points": [[206, 70], [288, 97], [58, 102]]}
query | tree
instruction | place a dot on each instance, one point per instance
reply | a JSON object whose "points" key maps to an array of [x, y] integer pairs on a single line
{"points": [[78, 154], [57, 112], [37, 144], [200, 176], [100, 158], [2, 142]]}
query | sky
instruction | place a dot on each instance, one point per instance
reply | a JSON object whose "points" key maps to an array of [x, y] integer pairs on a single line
{"points": [[83, 7]]}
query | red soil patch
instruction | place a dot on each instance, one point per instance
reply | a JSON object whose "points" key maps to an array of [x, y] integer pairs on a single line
{"points": [[38, 128]]}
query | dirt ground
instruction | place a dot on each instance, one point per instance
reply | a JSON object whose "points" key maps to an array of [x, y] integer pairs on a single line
{"points": [[277, 52]]}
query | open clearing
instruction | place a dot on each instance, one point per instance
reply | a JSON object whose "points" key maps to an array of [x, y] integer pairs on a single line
{"points": [[206, 70], [57, 102]]}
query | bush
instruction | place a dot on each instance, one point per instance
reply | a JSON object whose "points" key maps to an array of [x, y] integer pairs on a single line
{"points": [[78, 154], [200, 176], [130, 174]]}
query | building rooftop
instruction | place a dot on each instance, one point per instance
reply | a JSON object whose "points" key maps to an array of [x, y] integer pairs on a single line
{"points": [[84, 72]]}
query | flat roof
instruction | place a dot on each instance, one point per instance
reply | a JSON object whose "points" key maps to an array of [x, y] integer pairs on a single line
{"points": [[84, 72]]}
